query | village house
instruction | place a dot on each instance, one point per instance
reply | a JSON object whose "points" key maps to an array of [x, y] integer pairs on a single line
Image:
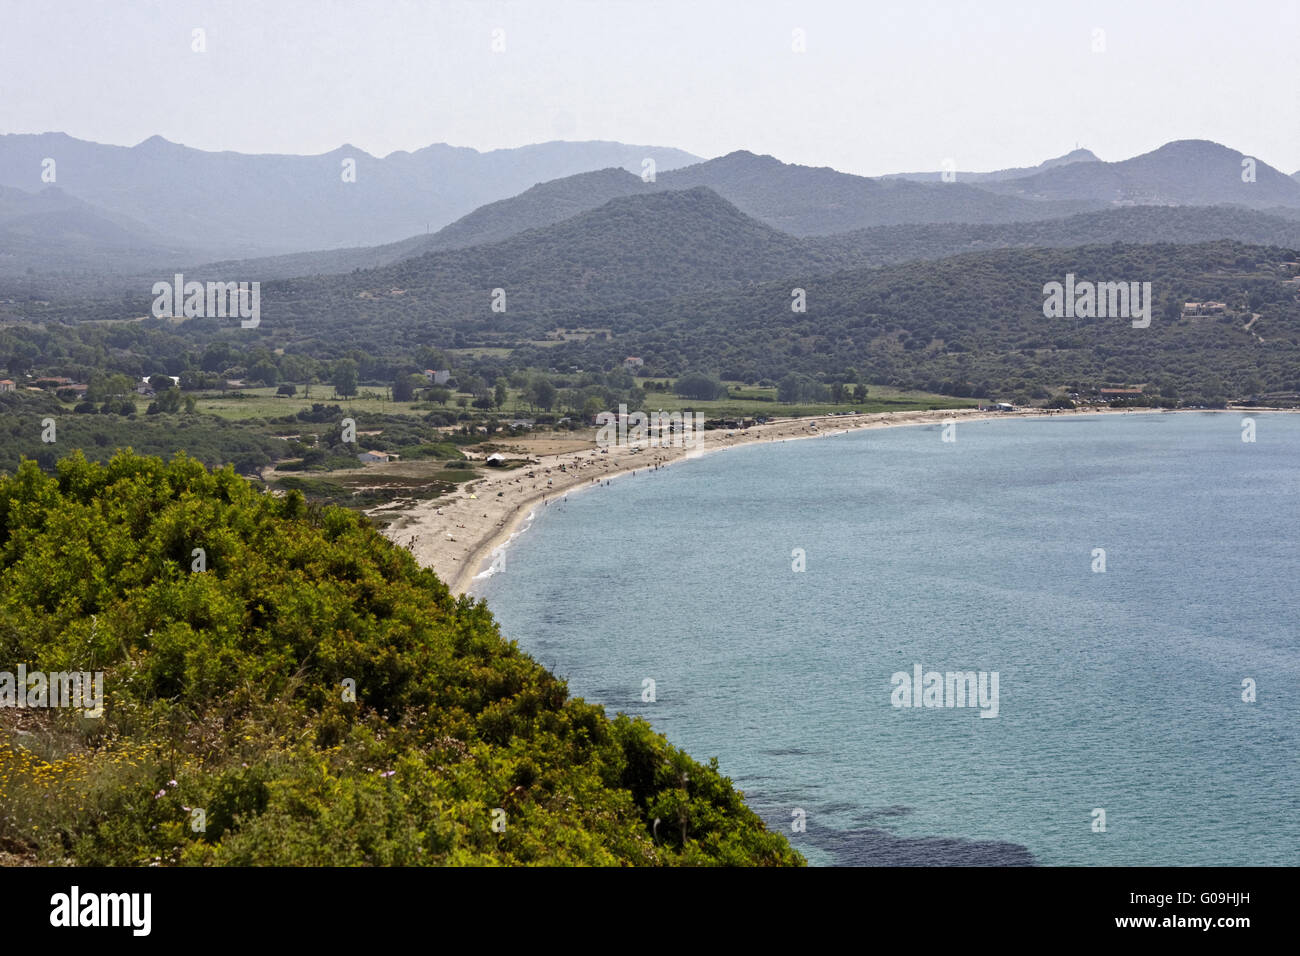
{"points": [[632, 362], [436, 377], [6, 385], [366, 457], [1204, 308]]}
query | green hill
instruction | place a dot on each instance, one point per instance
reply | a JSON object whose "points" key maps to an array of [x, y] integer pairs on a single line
{"points": [[973, 325], [225, 694]]}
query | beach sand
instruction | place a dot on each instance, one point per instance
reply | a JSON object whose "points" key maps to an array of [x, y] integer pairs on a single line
{"points": [[457, 534]]}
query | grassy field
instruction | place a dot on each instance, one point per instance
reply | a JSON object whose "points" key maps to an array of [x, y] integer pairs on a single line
{"points": [[754, 401], [748, 401], [264, 403]]}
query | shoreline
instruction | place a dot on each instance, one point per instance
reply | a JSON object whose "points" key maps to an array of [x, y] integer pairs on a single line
{"points": [[457, 534]]}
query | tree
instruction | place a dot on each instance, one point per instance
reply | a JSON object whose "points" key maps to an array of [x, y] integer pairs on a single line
{"points": [[500, 393], [168, 400], [859, 393], [344, 379], [18, 363], [298, 368], [789, 389], [216, 357], [191, 380], [432, 358], [265, 372], [404, 387], [105, 388], [699, 386], [288, 390], [542, 393]]}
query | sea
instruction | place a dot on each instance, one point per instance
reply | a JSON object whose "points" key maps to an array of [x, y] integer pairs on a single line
{"points": [[1130, 581]]}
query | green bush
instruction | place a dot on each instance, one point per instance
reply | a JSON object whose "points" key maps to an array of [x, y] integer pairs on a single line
{"points": [[225, 695]]}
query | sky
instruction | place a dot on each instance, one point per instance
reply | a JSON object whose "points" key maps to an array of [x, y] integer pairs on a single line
{"points": [[878, 87]]}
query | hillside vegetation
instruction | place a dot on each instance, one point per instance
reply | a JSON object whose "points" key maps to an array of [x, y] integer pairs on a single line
{"points": [[976, 322], [226, 694]]}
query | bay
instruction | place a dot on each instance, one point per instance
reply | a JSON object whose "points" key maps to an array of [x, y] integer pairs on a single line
{"points": [[1118, 690]]}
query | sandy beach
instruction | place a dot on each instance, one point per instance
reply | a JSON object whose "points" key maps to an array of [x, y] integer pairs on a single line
{"points": [[456, 535]]}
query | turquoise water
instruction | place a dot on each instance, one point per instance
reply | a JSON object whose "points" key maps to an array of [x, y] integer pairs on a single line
{"points": [[1119, 690]]}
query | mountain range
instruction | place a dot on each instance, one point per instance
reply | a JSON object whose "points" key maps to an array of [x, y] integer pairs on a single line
{"points": [[1074, 156], [806, 201], [159, 206], [49, 230], [798, 200], [235, 204], [1192, 172]]}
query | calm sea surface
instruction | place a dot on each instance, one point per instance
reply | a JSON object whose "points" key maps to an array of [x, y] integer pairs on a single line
{"points": [[1118, 690]]}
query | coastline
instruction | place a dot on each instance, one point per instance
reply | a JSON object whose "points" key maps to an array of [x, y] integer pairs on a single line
{"points": [[457, 534]]}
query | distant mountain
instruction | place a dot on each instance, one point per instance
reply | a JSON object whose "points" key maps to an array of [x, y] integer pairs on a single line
{"points": [[1296, 175], [236, 204], [879, 245], [798, 200], [1187, 172], [542, 205], [810, 201], [51, 231], [1074, 156], [629, 250]]}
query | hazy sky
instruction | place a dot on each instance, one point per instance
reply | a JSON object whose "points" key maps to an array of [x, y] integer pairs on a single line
{"points": [[882, 87]]}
